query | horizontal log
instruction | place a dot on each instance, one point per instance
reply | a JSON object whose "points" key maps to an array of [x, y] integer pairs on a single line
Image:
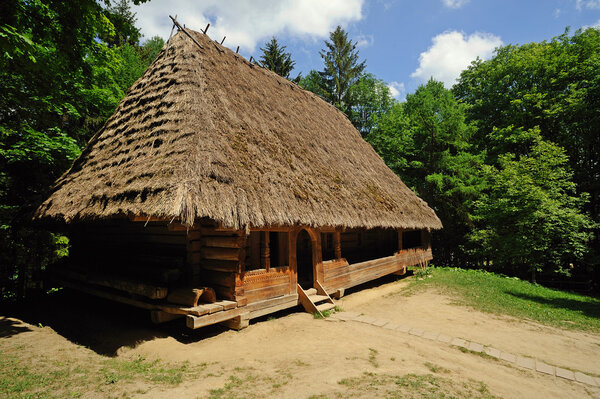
{"points": [[129, 301], [207, 231], [221, 253], [132, 287], [223, 242], [267, 292], [220, 265], [191, 296], [210, 277]]}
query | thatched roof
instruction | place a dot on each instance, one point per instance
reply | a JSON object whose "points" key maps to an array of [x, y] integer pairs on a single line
{"points": [[204, 133]]}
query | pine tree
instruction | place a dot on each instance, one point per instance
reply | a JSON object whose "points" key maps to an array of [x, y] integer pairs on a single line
{"points": [[342, 68], [276, 59]]}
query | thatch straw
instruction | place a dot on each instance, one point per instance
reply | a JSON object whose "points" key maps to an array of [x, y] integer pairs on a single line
{"points": [[204, 134]]}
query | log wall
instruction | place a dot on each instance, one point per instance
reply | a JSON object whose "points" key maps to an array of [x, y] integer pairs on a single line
{"points": [[146, 251], [215, 259]]}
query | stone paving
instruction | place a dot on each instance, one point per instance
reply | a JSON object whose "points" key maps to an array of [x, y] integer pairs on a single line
{"points": [[519, 361]]}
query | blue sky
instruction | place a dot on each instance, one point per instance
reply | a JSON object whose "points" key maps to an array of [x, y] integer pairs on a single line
{"points": [[404, 42]]}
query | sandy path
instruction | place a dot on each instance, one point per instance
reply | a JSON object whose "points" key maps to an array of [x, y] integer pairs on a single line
{"points": [[296, 356]]}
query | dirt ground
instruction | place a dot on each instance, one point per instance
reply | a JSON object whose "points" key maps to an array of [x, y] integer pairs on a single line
{"points": [[293, 355]]}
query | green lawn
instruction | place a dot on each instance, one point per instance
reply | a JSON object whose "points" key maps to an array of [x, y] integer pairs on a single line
{"points": [[493, 293]]}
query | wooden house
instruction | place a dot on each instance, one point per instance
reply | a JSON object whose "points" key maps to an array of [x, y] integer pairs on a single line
{"points": [[221, 191]]}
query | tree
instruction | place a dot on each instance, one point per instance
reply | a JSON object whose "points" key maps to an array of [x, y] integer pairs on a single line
{"points": [[315, 83], [58, 84], [276, 59], [342, 68], [552, 85], [531, 218], [150, 49], [123, 20], [426, 142], [370, 98]]}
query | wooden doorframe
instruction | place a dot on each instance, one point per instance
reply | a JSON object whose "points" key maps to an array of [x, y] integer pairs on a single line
{"points": [[315, 242]]}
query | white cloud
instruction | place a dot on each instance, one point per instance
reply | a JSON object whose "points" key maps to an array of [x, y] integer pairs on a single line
{"points": [[589, 4], [455, 3], [246, 23], [397, 90], [365, 40], [451, 52], [595, 26], [557, 12]]}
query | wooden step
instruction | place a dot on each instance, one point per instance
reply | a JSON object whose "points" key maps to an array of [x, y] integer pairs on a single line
{"points": [[318, 298], [325, 306], [311, 291]]}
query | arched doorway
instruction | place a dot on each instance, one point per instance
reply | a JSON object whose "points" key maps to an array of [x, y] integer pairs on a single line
{"points": [[304, 259]]}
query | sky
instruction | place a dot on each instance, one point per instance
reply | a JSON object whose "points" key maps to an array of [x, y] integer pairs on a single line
{"points": [[404, 42]]}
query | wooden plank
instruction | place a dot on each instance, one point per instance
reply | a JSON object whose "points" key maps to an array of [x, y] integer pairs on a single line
{"points": [[147, 290], [227, 304], [289, 302], [211, 307], [266, 279], [306, 303], [194, 322], [262, 294]]}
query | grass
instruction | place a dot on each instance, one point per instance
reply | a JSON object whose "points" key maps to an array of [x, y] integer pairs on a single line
{"points": [[46, 377], [249, 383], [510, 296], [409, 386]]}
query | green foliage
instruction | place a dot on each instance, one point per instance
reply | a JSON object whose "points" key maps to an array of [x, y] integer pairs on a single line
{"points": [[553, 86], [58, 84], [123, 20], [426, 142], [370, 99], [499, 294], [315, 82], [275, 58], [341, 68], [531, 215]]}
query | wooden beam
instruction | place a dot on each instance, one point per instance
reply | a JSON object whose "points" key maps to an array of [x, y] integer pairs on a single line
{"points": [[134, 287], [185, 31]]}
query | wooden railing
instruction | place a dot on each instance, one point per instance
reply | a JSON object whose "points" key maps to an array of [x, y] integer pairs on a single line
{"points": [[340, 274]]}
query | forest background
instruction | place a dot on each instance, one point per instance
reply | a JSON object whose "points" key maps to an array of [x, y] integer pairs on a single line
{"points": [[509, 157]]}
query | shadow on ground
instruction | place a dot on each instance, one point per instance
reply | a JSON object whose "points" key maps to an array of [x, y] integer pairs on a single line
{"points": [[8, 327], [101, 325], [590, 308], [105, 326]]}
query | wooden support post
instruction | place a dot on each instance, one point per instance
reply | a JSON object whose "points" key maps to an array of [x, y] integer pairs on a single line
{"points": [[237, 49], [265, 251], [238, 323], [223, 40], [399, 239], [337, 244], [205, 29], [424, 239]]}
